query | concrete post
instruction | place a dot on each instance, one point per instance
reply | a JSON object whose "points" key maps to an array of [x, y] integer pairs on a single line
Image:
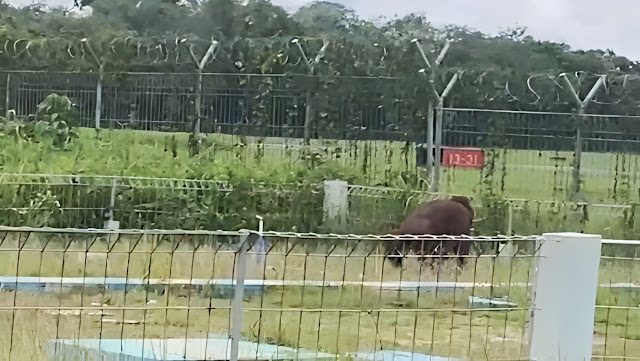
{"points": [[111, 223], [336, 202], [564, 296]]}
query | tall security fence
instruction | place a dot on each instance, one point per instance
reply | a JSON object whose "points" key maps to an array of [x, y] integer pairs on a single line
{"points": [[250, 105], [541, 131], [275, 106], [578, 157]]}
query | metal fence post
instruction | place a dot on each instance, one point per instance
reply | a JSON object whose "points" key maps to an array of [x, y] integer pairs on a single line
{"points": [[578, 154], [307, 119], [197, 122], [237, 308], [6, 108], [99, 98], [564, 297], [430, 154], [438, 146]]}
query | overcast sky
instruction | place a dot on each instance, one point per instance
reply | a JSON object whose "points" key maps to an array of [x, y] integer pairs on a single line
{"points": [[583, 24]]}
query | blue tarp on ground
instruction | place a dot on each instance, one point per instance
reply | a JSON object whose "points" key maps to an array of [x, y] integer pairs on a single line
{"points": [[209, 349]]}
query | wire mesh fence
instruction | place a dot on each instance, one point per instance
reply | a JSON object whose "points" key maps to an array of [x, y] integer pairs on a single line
{"points": [[554, 153], [382, 208], [318, 296], [64, 201], [249, 105], [141, 203], [541, 131], [592, 158], [72, 201], [617, 322]]}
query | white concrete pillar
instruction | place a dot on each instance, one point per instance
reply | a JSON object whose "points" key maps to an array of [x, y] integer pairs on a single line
{"points": [[564, 297], [336, 202]]}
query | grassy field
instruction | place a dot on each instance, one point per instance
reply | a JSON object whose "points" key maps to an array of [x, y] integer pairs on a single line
{"points": [[166, 155], [435, 322], [540, 180], [533, 175]]}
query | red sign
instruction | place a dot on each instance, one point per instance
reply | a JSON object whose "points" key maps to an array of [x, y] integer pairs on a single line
{"points": [[463, 157]]}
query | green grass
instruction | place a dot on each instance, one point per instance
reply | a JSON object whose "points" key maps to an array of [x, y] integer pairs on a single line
{"points": [[534, 175], [166, 155], [546, 175]]}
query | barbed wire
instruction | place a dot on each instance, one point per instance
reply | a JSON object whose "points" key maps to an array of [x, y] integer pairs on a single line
{"points": [[530, 112]]}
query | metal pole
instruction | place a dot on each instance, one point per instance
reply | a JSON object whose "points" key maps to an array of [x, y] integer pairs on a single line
{"points": [[237, 307], [430, 140], [113, 199], [196, 125], [99, 98], [438, 145], [578, 153], [6, 109], [307, 119], [582, 104]]}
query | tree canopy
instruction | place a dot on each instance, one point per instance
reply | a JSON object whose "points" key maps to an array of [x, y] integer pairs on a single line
{"points": [[508, 71]]}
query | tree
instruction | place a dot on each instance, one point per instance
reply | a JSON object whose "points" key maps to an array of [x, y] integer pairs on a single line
{"points": [[510, 71]]}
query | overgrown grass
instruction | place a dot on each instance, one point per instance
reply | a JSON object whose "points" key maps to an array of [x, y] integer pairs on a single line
{"points": [[534, 175], [166, 155]]}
